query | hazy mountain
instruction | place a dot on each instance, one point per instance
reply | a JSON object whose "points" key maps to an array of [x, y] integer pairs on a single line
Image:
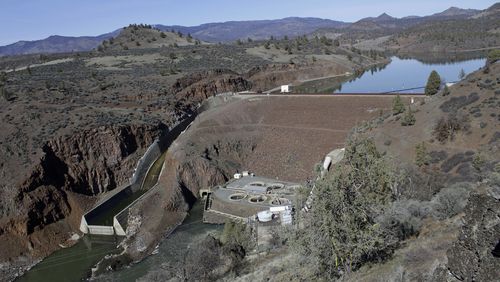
{"points": [[384, 17], [454, 11], [383, 25], [262, 29], [55, 44]]}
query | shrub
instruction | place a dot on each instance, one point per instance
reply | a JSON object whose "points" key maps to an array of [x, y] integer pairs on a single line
{"points": [[478, 162], [452, 162], [437, 156], [451, 200], [404, 218], [455, 103], [236, 233], [493, 56], [446, 128]]}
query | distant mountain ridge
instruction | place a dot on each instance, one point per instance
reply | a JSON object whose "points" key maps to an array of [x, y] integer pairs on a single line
{"points": [[56, 44], [454, 11], [261, 29], [233, 30]]}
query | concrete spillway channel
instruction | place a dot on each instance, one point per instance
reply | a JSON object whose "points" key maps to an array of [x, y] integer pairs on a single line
{"points": [[110, 215]]}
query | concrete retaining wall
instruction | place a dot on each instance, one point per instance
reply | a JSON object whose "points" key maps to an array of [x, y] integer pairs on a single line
{"points": [[121, 219], [119, 229], [153, 152], [147, 160]]}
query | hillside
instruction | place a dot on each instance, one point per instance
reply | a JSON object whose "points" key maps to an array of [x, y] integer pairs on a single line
{"points": [[449, 35], [441, 222], [261, 29], [211, 32], [75, 125], [55, 44], [144, 37], [450, 30]]}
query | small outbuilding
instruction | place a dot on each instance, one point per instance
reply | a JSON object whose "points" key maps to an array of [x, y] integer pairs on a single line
{"points": [[285, 88]]}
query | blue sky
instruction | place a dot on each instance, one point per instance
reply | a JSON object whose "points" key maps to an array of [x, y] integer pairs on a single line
{"points": [[37, 19]]}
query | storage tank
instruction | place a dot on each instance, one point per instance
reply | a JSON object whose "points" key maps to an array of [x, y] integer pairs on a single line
{"points": [[265, 216]]}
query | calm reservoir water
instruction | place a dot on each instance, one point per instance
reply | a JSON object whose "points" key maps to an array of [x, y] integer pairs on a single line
{"points": [[407, 74]]}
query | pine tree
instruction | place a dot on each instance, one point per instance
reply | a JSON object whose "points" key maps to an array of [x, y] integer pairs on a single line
{"points": [[433, 84], [397, 105], [422, 156], [461, 74], [409, 118]]}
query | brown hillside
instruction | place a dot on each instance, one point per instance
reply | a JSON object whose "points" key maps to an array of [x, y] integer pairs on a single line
{"points": [[143, 37]]}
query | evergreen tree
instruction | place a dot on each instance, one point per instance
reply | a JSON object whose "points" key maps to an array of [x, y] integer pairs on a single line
{"points": [[421, 155], [433, 84], [340, 232], [461, 74], [397, 105], [409, 118]]}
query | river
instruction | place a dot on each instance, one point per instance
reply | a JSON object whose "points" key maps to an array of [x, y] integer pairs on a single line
{"points": [[170, 250]]}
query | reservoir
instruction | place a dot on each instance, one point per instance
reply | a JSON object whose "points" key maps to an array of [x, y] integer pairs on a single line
{"points": [[400, 75], [407, 75]]}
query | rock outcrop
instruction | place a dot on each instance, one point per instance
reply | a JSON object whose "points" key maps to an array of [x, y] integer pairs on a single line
{"points": [[474, 257], [201, 85], [72, 170]]}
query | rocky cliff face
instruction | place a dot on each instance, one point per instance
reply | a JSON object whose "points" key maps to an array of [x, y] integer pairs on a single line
{"points": [[266, 77], [92, 161], [82, 165], [474, 257], [199, 86]]}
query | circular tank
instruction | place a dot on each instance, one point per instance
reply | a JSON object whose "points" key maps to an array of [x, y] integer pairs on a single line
{"points": [[280, 201], [237, 196], [257, 199]]}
